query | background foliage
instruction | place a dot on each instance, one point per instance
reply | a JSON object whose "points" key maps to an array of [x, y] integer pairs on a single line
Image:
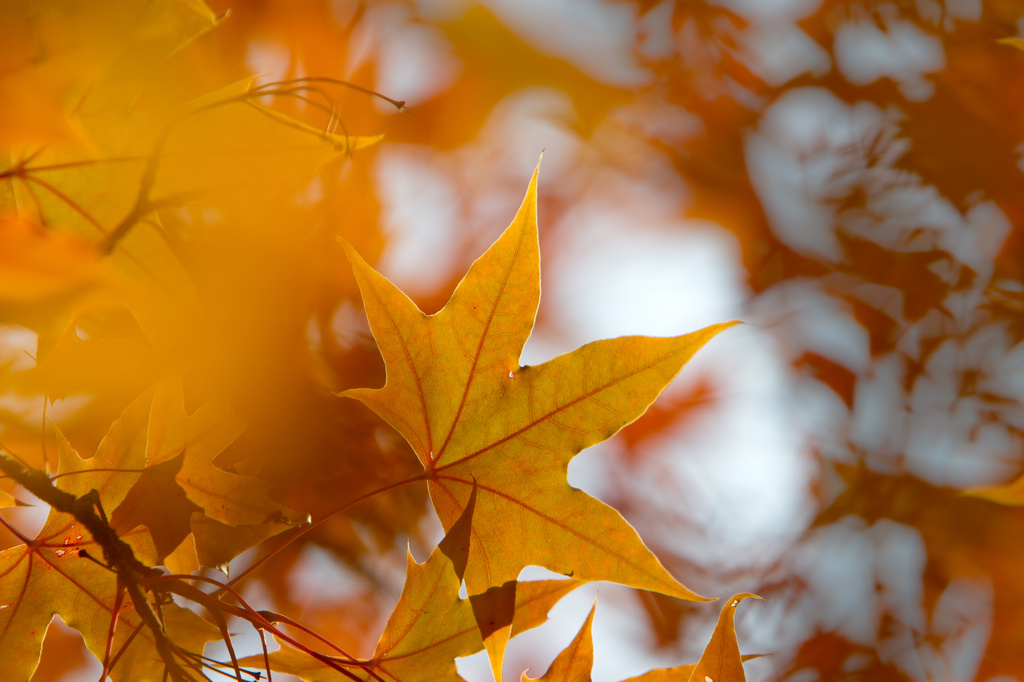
{"points": [[854, 166]]}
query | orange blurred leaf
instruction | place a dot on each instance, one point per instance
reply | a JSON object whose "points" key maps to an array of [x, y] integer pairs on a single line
{"points": [[223, 496], [38, 265], [1011, 493]]}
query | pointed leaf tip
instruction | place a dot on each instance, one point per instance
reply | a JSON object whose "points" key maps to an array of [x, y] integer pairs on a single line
{"points": [[721, 660], [350, 251], [576, 660]]}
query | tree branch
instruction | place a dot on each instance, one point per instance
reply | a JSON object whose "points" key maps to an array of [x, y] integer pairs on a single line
{"points": [[117, 553]]}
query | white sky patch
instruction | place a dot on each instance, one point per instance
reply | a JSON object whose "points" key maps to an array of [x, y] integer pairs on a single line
{"points": [[795, 164], [415, 63], [904, 53], [608, 280], [809, 320], [780, 51], [267, 58], [655, 28], [420, 209], [948, 442], [762, 9], [594, 35], [885, 560], [962, 622]]}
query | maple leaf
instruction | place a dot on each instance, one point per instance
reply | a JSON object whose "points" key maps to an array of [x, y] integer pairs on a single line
{"points": [[721, 660], [573, 664], [53, 574], [429, 627], [475, 417], [182, 480]]}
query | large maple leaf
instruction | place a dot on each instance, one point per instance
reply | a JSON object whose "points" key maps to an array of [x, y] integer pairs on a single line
{"points": [[473, 415]]}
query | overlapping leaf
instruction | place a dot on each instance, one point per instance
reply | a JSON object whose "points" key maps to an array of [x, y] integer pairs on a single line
{"points": [[49, 575], [721, 660], [183, 490], [474, 416], [573, 664], [504, 610], [429, 627]]}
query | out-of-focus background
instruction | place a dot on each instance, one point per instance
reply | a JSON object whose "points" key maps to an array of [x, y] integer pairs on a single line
{"points": [[843, 177]]}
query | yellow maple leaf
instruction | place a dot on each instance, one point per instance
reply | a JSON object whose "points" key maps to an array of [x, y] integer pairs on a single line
{"points": [[473, 415], [721, 660], [573, 664], [429, 627]]}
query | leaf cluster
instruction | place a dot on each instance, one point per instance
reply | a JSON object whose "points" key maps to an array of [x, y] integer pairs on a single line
{"points": [[124, 210]]}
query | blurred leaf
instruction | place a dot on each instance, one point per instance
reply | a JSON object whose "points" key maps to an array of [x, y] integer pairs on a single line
{"points": [[224, 497]]}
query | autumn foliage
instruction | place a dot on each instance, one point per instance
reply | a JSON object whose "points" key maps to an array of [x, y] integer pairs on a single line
{"points": [[242, 420]]}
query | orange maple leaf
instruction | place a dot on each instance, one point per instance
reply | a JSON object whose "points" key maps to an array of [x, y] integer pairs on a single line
{"points": [[429, 627], [721, 660], [456, 392], [573, 664], [53, 574]]}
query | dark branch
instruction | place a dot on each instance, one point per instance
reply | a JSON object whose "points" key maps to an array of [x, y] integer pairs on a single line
{"points": [[117, 553]]}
